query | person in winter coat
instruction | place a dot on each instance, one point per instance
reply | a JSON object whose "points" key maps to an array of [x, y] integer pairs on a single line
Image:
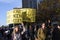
{"points": [[56, 33], [41, 32]]}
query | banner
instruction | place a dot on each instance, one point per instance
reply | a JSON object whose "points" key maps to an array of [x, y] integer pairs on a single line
{"points": [[29, 15], [21, 15]]}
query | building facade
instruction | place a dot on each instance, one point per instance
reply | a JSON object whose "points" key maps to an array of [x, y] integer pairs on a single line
{"points": [[29, 4]]}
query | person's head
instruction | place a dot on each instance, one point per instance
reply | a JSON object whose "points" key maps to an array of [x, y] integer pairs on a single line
{"points": [[43, 25], [49, 21], [16, 28], [30, 27], [35, 26], [58, 26]]}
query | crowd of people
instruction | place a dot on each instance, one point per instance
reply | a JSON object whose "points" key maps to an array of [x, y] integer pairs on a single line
{"points": [[20, 32]]}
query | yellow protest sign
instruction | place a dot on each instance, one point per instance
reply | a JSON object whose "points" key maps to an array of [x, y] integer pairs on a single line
{"points": [[20, 15]]}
